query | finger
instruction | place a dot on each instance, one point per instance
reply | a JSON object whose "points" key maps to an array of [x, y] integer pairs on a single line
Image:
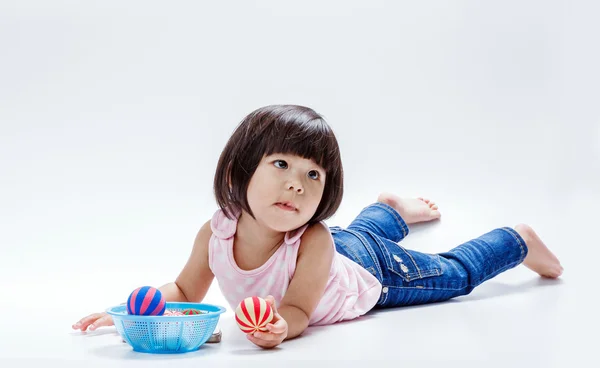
{"points": [[258, 342], [267, 336], [86, 321], [278, 327], [262, 343], [271, 300], [103, 321]]}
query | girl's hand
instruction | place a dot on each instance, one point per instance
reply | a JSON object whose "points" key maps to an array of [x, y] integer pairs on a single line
{"points": [[276, 332], [94, 321]]}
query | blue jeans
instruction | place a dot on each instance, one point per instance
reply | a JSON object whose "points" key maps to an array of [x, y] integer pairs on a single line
{"points": [[409, 277]]}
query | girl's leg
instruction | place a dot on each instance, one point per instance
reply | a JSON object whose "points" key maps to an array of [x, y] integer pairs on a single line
{"points": [[426, 278], [378, 220], [381, 223], [410, 277], [390, 216], [381, 220], [438, 277], [412, 210]]}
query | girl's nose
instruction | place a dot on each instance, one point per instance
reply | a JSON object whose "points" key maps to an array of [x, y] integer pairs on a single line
{"points": [[295, 187]]}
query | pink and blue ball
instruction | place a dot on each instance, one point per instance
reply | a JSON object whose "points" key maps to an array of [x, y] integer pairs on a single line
{"points": [[146, 301]]}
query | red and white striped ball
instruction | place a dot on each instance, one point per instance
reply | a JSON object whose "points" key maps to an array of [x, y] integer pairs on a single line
{"points": [[253, 314], [146, 301]]}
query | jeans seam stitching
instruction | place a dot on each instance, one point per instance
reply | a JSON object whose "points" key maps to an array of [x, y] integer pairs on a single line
{"points": [[407, 276], [375, 258], [427, 288], [392, 211], [521, 245], [369, 251]]}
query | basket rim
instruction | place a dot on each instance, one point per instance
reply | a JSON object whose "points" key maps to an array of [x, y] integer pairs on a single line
{"points": [[212, 310]]}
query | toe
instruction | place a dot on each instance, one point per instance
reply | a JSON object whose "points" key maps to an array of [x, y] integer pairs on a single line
{"points": [[436, 214], [434, 207]]}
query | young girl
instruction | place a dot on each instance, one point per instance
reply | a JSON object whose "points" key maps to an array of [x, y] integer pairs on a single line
{"points": [[279, 176]]}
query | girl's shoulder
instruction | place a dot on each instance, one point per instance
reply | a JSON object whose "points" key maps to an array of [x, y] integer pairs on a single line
{"points": [[222, 226], [317, 228], [203, 236], [316, 235]]}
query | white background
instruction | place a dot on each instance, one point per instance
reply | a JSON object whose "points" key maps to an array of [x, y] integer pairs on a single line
{"points": [[113, 115]]}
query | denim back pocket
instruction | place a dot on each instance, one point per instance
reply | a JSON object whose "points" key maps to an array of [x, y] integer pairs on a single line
{"points": [[410, 265]]}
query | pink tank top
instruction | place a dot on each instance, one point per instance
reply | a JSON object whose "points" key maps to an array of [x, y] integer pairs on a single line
{"points": [[351, 290]]}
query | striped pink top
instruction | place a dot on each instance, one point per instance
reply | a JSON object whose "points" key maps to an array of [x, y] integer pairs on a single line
{"points": [[351, 290]]}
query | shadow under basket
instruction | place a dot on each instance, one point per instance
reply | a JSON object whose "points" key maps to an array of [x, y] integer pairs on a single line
{"points": [[167, 334]]}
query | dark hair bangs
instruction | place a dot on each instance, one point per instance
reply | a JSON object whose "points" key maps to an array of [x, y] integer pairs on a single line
{"points": [[311, 140]]}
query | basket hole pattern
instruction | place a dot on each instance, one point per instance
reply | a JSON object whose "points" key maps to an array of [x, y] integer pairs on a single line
{"points": [[166, 336]]}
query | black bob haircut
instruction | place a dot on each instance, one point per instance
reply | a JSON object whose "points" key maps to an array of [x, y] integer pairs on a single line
{"points": [[288, 129]]}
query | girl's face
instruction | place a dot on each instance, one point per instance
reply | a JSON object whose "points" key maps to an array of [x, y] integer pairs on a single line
{"points": [[285, 191]]}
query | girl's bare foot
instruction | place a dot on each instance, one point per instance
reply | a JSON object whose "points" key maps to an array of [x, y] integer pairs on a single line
{"points": [[412, 210], [539, 258]]}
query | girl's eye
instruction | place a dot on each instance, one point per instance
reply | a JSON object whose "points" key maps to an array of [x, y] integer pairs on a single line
{"points": [[313, 174], [280, 164]]}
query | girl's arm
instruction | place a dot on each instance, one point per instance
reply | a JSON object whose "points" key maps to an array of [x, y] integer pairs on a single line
{"points": [[194, 280], [172, 293], [191, 285], [306, 288]]}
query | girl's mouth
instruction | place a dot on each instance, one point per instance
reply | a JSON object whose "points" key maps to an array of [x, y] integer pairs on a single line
{"points": [[285, 206]]}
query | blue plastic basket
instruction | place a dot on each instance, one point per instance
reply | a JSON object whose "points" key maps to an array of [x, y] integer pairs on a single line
{"points": [[167, 334]]}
